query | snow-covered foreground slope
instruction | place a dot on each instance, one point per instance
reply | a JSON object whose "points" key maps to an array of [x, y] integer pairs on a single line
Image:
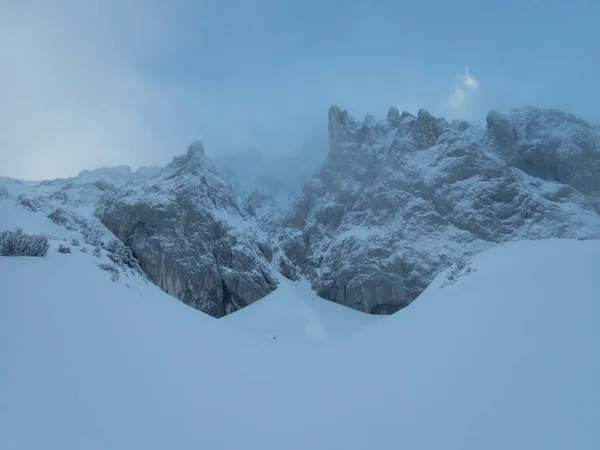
{"points": [[295, 314], [506, 357]]}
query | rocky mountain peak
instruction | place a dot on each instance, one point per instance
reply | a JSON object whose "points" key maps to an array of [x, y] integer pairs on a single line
{"points": [[191, 237], [196, 149], [551, 145], [381, 217], [194, 161], [393, 116], [425, 130], [501, 131], [339, 127]]}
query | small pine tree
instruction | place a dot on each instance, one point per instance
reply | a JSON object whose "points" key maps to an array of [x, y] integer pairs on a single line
{"points": [[120, 254], [114, 270], [64, 249]]}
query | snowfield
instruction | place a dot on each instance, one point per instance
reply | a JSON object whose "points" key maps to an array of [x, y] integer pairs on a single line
{"points": [[506, 357], [294, 314]]}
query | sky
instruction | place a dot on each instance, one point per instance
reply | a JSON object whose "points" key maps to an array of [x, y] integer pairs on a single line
{"points": [[105, 82]]}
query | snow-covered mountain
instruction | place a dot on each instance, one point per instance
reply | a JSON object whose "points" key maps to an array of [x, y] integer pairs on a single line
{"points": [[191, 237], [399, 200], [394, 203], [503, 356], [499, 349]]}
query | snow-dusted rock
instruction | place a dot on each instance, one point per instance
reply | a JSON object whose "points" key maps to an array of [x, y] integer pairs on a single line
{"points": [[398, 201], [191, 237], [70, 202], [261, 206], [551, 145]]}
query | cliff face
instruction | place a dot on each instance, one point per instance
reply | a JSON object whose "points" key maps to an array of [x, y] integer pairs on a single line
{"points": [[399, 200], [190, 236]]}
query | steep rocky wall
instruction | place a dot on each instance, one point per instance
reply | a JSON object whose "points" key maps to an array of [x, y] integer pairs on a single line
{"points": [[189, 235], [399, 200]]}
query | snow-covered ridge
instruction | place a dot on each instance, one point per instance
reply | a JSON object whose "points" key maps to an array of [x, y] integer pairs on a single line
{"points": [[182, 222]]}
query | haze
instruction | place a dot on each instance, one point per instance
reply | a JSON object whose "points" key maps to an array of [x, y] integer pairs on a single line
{"points": [[101, 83]]}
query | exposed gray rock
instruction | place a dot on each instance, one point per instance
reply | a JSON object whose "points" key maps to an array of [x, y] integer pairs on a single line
{"points": [[393, 116], [405, 115], [264, 210], [425, 130], [556, 146], [285, 266], [398, 201], [191, 237], [500, 129]]}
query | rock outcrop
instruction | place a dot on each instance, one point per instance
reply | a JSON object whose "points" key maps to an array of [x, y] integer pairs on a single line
{"points": [[398, 201], [191, 237]]}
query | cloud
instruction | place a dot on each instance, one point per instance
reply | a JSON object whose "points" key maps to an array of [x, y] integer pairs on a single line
{"points": [[466, 86], [470, 81], [105, 82], [71, 95]]}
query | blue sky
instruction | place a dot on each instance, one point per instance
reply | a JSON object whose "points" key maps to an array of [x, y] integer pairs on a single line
{"points": [[86, 84]]}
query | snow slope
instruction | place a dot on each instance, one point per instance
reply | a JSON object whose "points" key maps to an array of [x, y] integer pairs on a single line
{"points": [[296, 315], [506, 357], [13, 215]]}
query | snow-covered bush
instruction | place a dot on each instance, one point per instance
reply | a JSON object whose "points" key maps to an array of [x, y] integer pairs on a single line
{"points": [[84, 249], [458, 270], [91, 234], [29, 203], [120, 254], [19, 243], [75, 242], [59, 216], [64, 249], [97, 251], [114, 270]]}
